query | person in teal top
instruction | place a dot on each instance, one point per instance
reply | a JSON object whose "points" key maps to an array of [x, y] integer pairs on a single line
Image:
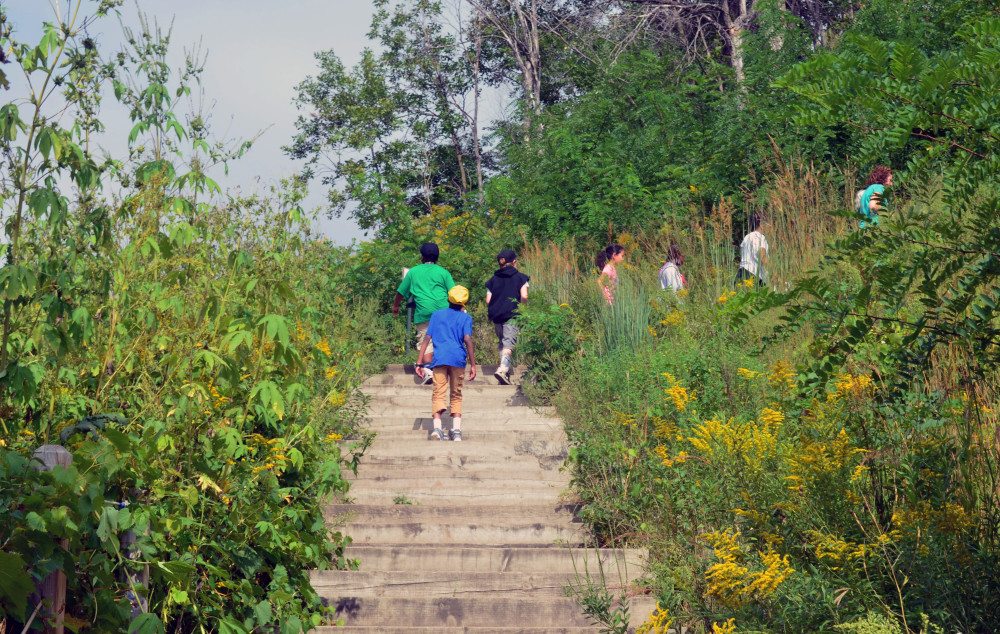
{"points": [[869, 200], [427, 285]]}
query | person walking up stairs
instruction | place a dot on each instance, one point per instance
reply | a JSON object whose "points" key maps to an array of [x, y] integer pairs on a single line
{"points": [[475, 536]]}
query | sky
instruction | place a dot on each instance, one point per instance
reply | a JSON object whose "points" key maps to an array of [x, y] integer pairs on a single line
{"points": [[257, 53]]}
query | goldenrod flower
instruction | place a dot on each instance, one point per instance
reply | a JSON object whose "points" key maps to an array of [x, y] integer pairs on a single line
{"points": [[324, 347], [748, 374], [729, 627], [658, 622]]}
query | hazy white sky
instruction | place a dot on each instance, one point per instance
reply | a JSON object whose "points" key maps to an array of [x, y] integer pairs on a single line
{"points": [[257, 52]]}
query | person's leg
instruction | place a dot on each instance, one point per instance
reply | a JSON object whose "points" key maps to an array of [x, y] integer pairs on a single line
{"points": [[421, 333], [439, 400], [456, 376], [507, 335]]}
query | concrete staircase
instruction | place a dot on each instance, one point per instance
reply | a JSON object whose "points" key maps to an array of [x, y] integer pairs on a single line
{"points": [[472, 536]]}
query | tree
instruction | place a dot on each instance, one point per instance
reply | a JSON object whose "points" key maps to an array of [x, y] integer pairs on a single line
{"points": [[396, 135]]}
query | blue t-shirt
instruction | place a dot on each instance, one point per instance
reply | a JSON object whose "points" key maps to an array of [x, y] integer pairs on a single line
{"points": [[447, 329], [870, 216]]}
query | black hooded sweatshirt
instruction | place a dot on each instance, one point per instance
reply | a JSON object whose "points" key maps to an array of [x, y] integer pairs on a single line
{"points": [[505, 289]]}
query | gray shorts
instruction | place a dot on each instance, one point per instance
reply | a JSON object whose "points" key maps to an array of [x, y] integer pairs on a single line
{"points": [[506, 335]]}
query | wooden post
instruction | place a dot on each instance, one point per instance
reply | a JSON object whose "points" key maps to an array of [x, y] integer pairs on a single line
{"points": [[52, 590]]}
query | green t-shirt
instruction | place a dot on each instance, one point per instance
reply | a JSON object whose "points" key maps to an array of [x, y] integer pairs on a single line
{"points": [[428, 284]]}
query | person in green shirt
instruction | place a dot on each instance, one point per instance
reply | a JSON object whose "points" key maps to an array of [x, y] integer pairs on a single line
{"points": [[870, 200], [427, 285]]}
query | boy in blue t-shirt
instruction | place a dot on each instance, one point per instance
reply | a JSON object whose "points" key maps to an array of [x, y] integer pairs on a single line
{"points": [[451, 331]]}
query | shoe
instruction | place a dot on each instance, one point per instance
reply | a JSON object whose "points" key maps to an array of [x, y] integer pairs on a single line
{"points": [[438, 434], [456, 435], [503, 376]]}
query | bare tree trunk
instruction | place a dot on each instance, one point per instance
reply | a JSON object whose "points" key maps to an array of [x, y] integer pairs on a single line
{"points": [[517, 21], [476, 89], [733, 30]]}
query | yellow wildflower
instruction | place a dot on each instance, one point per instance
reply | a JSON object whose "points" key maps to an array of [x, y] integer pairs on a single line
{"points": [[331, 371], [726, 296], [336, 399], [729, 627], [680, 396], [782, 375], [747, 374], [333, 437], [658, 622], [748, 283], [852, 386], [324, 347], [623, 419], [673, 318], [771, 417]]}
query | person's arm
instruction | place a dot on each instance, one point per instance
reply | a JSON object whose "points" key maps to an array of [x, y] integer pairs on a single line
{"points": [[524, 293], [472, 357], [489, 297], [395, 304]]}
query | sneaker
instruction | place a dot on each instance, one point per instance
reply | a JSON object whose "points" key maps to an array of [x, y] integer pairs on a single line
{"points": [[456, 435], [438, 434], [503, 376]]}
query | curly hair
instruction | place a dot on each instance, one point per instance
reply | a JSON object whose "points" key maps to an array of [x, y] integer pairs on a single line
{"points": [[879, 175]]}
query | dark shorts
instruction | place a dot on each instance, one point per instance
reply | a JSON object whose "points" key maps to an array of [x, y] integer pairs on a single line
{"points": [[743, 275]]}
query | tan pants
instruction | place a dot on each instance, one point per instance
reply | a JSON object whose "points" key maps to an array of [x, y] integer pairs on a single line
{"points": [[443, 374]]}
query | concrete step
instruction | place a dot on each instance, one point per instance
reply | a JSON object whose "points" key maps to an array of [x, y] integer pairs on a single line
{"points": [[403, 629], [471, 420], [437, 584], [468, 462], [615, 563], [396, 374], [476, 611], [474, 473], [388, 447], [404, 435], [474, 388], [415, 404], [540, 525], [457, 492]]}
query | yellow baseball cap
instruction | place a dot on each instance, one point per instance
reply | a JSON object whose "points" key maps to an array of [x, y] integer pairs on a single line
{"points": [[458, 295]]}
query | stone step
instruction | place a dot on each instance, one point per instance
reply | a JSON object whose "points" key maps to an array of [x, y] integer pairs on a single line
{"points": [[415, 404], [433, 474], [477, 611], [540, 525], [474, 388], [615, 563], [388, 447], [457, 492], [396, 374], [404, 629], [408, 419], [479, 463], [471, 433], [437, 584]]}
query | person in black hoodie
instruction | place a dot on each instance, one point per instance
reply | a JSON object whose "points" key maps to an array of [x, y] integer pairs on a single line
{"points": [[504, 292]]}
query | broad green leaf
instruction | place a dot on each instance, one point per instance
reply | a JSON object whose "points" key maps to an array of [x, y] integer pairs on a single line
{"points": [[15, 584]]}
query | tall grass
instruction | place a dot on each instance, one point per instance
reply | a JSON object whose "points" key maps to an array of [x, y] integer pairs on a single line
{"points": [[624, 325], [554, 269]]}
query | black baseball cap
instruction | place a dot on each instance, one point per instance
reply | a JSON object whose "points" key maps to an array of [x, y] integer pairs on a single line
{"points": [[506, 256], [429, 252]]}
